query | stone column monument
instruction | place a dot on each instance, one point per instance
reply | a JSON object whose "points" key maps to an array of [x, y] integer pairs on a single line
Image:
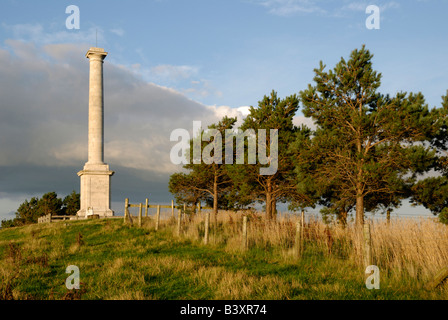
{"points": [[96, 176]]}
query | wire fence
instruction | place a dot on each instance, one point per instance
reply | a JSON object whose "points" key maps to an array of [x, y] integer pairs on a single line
{"points": [[414, 244]]}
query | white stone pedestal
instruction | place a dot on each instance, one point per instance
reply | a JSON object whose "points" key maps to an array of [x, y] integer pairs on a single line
{"points": [[95, 190]]}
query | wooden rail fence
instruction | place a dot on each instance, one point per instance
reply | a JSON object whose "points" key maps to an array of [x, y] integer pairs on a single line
{"points": [[146, 206], [49, 218]]}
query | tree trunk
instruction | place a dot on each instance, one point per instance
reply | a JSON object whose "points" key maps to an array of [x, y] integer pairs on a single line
{"points": [[359, 210], [274, 208], [359, 187]]}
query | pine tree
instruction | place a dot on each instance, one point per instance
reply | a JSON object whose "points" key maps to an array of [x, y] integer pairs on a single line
{"points": [[272, 113], [207, 179], [49, 204], [365, 141]]}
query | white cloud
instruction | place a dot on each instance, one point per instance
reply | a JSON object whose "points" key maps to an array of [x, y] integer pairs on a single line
{"points": [[290, 7], [174, 72], [329, 8], [245, 110], [299, 120], [181, 77], [35, 33], [118, 31], [201, 88], [361, 6]]}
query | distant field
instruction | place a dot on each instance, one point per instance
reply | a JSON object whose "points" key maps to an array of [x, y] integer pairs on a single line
{"points": [[119, 261]]}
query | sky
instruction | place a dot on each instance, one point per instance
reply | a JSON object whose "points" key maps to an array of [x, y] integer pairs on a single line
{"points": [[172, 62]]}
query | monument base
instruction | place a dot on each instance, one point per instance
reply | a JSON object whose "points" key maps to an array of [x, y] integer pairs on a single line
{"points": [[95, 190]]}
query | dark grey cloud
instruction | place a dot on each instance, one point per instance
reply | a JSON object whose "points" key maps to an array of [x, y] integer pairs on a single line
{"points": [[43, 123]]}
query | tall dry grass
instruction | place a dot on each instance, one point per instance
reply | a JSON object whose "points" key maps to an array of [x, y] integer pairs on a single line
{"points": [[417, 248]]}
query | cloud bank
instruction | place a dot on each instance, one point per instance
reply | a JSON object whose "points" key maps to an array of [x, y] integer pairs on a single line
{"points": [[44, 114]]}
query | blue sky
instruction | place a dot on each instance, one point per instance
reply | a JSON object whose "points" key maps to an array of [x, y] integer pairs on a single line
{"points": [[175, 61], [233, 52]]}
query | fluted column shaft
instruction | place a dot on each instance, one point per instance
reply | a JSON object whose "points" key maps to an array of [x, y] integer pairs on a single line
{"points": [[96, 106]]}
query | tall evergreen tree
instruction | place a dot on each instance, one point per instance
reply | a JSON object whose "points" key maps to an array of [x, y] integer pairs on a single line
{"points": [[207, 179], [432, 192], [365, 141], [49, 204], [277, 114], [27, 212]]}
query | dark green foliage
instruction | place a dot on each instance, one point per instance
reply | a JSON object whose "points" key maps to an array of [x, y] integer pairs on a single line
{"points": [[71, 204], [367, 147], [431, 192], [250, 183], [48, 204], [208, 180], [443, 216], [29, 211]]}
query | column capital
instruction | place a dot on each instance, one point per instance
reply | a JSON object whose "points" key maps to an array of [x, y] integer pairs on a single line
{"points": [[96, 53]]}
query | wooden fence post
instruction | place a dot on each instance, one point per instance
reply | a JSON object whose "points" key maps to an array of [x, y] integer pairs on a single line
{"points": [[388, 216], [299, 235], [172, 208], [244, 244], [126, 204], [303, 224], [146, 207], [298, 242], [367, 246], [179, 217], [207, 223], [158, 217], [140, 215]]}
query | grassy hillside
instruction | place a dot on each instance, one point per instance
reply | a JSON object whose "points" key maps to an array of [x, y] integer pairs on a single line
{"points": [[119, 261]]}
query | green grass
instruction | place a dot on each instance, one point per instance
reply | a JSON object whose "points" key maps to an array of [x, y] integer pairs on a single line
{"points": [[118, 261]]}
